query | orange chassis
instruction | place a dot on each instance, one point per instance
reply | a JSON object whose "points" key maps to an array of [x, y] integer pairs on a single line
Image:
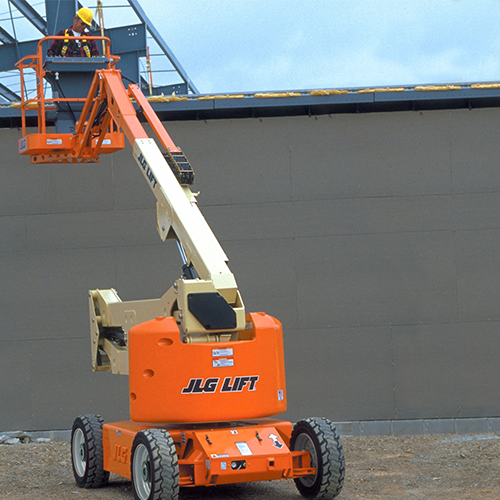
{"points": [[223, 382], [212, 454]]}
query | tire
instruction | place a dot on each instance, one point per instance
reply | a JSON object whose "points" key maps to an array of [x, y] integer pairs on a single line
{"points": [[87, 452], [320, 438], [154, 466]]}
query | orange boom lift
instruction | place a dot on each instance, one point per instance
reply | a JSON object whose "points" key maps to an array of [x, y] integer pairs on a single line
{"points": [[204, 376]]}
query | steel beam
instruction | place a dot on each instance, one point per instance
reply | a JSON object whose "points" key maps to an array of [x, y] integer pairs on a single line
{"points": [[163, 45], [5, 36], [8, 94], [31, 15], [10, 53], [60, 15]]}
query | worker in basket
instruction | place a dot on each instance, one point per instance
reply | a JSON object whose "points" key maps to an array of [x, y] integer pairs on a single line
{"points": [[83, 47]]}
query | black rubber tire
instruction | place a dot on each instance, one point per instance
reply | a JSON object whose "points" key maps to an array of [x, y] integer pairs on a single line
{"points": [[154, 466], [87, 453], [320, 437]]}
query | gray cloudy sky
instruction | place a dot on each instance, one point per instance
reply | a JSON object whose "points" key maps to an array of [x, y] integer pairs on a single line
{"points": [[246, 45]]}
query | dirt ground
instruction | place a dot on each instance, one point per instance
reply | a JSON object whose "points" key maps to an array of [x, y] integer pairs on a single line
{"points": [[390, 468]]}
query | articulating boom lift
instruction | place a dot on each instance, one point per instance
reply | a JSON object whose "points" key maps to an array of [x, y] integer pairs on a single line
{"points": [[203, 376]]}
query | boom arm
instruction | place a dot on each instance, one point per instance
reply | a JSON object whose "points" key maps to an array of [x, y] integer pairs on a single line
{"points": [[203, 303], [176, 206]]}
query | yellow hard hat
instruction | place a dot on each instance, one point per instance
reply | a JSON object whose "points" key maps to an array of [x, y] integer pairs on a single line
{"points": [[85, 15]]}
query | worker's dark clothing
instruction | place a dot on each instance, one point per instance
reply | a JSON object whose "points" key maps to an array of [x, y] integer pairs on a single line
{"points": [[83, 47]]}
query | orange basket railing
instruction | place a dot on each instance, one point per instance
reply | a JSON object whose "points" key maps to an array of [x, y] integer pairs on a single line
{"points": [[36, 62]]}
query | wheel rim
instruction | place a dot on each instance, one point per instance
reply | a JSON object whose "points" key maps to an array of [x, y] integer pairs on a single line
{"points": [[142, 472], [304, 442], [79, 452]]}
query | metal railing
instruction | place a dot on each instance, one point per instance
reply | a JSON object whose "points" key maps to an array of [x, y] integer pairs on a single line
{"points": [[36, 62]]}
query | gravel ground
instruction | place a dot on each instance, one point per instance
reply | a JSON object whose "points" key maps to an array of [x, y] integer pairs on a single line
{"points": [[390, 468]]}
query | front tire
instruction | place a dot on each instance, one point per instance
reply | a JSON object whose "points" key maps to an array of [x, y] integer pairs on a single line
{"points": [[87, 456], [154, 466], [320, 438]]}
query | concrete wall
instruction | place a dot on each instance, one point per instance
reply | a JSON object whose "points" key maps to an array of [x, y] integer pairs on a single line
{"points": [[374, 238]]}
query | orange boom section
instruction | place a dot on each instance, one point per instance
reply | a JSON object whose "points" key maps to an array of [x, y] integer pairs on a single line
{"points": [[171, 381]]}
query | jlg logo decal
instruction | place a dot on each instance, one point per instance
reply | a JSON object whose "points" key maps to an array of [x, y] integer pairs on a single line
{"points": [[147, 170], [121, 454], [211, 385]]}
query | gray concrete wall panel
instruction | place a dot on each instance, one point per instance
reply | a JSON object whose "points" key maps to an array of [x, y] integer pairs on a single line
{"points": [[377, 279], [354, 157], [63, 188], [347, 370], [252, 221], [446, 370], [248, 160], [13, 231], [274, 276], [474, 159], [55, 371], [91, 229], [364, 216], [13, 180], [374, 239], [474, 212], [477, 276], [146, 272], [16, 388], [44, 293]]}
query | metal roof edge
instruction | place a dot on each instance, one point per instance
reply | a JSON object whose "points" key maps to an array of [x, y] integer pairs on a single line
{"points": [[328, 101], [314, 102]]}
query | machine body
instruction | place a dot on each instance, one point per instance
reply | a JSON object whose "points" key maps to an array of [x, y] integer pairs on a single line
{"points": [[204, 375]]}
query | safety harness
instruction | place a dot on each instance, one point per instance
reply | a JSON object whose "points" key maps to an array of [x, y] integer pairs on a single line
{"points": [[66, 44]]}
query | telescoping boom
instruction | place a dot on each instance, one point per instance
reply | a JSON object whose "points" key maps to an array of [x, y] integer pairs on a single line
{"points": [[205, 301]]}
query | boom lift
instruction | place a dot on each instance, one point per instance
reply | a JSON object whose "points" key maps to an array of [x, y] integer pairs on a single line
{"points": [[204, 377]]}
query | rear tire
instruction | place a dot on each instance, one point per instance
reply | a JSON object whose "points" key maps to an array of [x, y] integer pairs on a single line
{"points": [[320, 438], [154, 466], [87, 453]]}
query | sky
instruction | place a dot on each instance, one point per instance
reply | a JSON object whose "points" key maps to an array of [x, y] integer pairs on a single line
{"points": [[228, 46], [255, 45]]}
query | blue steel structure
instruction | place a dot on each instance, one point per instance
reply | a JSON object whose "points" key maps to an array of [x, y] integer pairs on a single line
{"points": [[127, 42]]}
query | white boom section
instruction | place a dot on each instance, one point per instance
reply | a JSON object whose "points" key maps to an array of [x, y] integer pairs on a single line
{"points": [[177, 209]]}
